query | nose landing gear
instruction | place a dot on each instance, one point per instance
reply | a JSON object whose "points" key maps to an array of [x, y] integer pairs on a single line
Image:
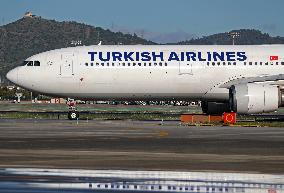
{"points": [[73, 114]]}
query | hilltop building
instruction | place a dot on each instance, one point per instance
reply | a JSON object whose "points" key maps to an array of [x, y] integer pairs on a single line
{"points": [[29, 14]]}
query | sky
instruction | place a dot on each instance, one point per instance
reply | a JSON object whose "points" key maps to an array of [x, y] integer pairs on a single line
{"points": [[191, 18]]}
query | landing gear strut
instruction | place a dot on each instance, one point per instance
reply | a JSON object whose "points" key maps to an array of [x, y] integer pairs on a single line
{"points": [[73, 114]]}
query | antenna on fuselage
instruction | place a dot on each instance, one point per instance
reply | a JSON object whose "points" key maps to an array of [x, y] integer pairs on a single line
{"points": [[100, 43]]}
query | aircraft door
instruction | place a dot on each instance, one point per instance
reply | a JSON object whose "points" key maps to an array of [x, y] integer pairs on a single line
{"points": [[66, 65], [186, 67]]}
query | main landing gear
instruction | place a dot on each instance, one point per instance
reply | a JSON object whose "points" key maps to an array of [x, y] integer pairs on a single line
{"points": [[73, 114]]}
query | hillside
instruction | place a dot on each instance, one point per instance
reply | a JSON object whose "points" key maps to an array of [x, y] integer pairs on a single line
{"points": [[247, 37], [28, 36]]}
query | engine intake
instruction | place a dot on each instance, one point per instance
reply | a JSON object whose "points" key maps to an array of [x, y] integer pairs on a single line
{"points": [[281, 97], [255, 98]]}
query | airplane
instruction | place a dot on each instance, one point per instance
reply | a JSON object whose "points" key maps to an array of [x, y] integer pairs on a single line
{"points": [[245, 79]]}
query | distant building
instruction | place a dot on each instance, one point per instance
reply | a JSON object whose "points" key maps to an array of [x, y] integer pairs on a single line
{"points": [[29, 14], [58, 101], [10, 87]]}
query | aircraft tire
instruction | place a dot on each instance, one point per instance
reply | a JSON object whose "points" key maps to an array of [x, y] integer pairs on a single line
{"points": [[73, 115]]}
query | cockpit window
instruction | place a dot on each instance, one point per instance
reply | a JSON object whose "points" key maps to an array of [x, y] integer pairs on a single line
{"points": [[30, 63], [36, 63], [27, 63]]}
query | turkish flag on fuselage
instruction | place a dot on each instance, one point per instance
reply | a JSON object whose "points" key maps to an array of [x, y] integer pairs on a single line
{"points": [[272, 58]]}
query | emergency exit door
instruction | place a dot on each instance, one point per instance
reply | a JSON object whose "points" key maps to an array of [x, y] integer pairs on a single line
{"points": [[67, 66]]}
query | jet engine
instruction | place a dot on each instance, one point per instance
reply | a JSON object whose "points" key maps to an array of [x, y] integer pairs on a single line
{"points": [[214, 107], [255, 98]]}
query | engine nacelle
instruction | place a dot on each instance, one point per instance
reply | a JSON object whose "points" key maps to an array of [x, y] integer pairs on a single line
{"points": [[214, 107], [254, 98]]}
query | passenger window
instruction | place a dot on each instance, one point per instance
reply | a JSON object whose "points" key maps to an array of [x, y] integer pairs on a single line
{"points": [[86, 64], [224, 63], [218, 63], [36, 63], [250, 63], [282, 63], [255, 63], [166, 64], [234, 63]]}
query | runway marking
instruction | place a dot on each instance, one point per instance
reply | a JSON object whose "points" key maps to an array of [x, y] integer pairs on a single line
{"points": [[163, 134]]}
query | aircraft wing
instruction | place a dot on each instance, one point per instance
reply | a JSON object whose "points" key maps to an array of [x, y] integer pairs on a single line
{"points": [[271, 78]]}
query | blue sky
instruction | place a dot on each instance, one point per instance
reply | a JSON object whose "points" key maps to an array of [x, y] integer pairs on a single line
{"points": [[195, 17]]}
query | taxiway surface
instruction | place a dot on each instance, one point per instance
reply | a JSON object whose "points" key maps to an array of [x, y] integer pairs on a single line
{"points": [[134, 145]]}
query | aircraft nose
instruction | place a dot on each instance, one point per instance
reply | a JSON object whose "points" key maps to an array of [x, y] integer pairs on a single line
{"points": [[12, 75]]}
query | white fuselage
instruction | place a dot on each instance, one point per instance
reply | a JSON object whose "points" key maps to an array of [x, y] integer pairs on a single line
{"points": [[157, 72]]}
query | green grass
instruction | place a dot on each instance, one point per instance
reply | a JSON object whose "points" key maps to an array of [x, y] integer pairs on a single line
{"points": [[98, 116], [16, 115]]}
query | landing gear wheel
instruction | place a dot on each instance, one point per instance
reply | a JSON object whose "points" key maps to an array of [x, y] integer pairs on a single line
{"points": [[73, 115]]}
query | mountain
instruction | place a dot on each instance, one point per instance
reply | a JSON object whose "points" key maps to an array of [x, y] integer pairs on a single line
{"points": [[31, 35], [158, 37], [170, 37], [246, 37]]}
